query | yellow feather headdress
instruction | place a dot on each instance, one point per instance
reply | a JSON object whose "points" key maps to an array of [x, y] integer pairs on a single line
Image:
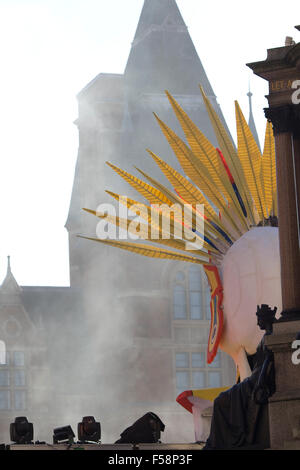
{"points": [[236, 187]]}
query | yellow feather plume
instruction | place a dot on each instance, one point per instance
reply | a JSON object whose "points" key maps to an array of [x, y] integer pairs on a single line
{"points": [[269, 171], [250, 157], [148, 250]]}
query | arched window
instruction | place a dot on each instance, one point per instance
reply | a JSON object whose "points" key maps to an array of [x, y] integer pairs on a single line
{"points": [[191, 294], [191, 320], [13, 382]]}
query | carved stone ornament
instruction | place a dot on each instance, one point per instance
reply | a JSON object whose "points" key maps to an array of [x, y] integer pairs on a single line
{"points": [[284, 119]]}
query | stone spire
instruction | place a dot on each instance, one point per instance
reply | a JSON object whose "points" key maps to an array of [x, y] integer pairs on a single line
{"points": [[115, 120], [159, 15], [251, 121], [163, 55], [9, 285]]}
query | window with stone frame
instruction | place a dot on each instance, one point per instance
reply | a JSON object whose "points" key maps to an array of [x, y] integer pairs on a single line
{"points": [[193, 372], [191, 320], [191, 294], [13, 386]]}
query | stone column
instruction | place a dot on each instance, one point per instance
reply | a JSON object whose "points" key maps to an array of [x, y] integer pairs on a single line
{"points": [[296, 148], [284, 405], [282, 69], [286, 122]]}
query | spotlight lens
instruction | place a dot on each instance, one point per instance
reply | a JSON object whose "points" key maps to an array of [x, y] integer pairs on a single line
{"points": [[63, 434], [21, 431], [89, 430]]}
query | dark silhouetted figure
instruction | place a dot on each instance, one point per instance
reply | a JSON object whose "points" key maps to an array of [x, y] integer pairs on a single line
{"points": [[240, 415]]}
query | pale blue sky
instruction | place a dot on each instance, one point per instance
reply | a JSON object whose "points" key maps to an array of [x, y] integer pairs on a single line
{"points": [[49, 50]]}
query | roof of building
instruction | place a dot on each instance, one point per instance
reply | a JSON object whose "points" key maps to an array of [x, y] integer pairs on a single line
{"points": [[163, 55], [9, 284]]}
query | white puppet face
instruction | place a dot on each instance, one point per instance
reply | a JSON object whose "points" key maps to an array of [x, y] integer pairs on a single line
{"points": [[251, 277]]}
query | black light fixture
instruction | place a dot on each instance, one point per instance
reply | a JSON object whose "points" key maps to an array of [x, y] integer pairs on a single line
{"points": [[21, 431], [89, 430], [63, 435], [147, 429]]}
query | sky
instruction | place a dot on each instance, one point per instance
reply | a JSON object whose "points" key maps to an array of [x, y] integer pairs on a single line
{"points": [[49, 50]]}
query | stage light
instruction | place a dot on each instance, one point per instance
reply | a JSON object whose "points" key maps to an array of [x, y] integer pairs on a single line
{"points": [[63, 435], [147, 429], [89, 430], [21, 431]]}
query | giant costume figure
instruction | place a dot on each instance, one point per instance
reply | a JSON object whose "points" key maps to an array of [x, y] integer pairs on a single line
{"points": [[239, 246]]}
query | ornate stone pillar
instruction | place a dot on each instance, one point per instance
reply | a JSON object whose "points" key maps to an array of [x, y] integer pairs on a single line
{"points": [[282, 70], [296, 145], [286, 127]]}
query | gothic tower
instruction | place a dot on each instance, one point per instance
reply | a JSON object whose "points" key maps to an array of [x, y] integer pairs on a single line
{"points": [[141, 309]]}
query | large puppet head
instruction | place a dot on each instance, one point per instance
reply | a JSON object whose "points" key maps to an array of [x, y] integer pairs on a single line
{"points": [[238, 242]]}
